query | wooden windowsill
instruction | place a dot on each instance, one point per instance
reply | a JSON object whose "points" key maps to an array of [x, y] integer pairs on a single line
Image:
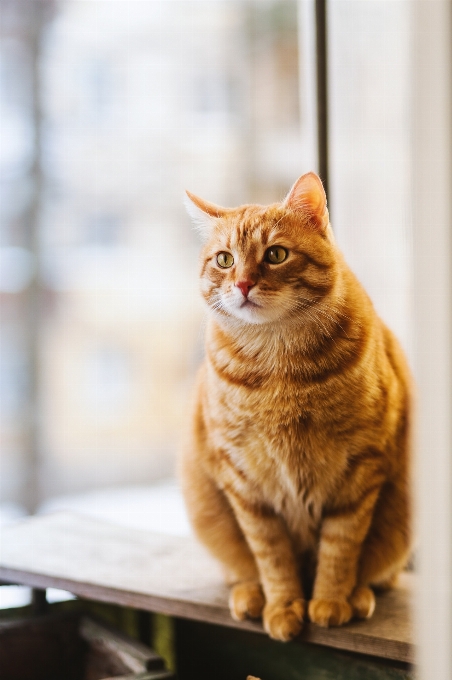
{"points": [[100, 561]]}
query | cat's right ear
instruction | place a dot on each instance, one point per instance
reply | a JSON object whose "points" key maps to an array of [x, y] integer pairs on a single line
{"points": [[308, 196], [203, 214]]}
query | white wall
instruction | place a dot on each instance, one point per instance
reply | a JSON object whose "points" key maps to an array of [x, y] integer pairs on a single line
{"points": [[432, 297]]}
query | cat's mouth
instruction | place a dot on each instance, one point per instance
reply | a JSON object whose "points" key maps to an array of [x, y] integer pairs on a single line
{"points": [[247, 303], [246, 309]]}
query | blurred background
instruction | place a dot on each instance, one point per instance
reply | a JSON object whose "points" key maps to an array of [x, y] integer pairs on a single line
{"points": [[109, 110]]}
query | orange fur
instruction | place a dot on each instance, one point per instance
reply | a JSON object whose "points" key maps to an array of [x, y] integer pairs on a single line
{"points": [[297, 461]]}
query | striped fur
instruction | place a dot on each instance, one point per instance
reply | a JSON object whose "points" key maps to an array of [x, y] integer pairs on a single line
{"points": [[296, 467]]}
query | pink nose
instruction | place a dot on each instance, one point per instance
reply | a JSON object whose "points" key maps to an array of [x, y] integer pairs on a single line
{"points": [[245, 286]]}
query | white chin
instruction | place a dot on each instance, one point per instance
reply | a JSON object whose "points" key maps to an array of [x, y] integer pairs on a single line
{"points": [[250, 314]]}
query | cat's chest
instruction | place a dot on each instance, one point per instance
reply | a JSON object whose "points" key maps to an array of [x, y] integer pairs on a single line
{"points": [[273, 433], [274, 423], [295, 489], [285, 463], [261, 396], [280, 416], [281, 467]]}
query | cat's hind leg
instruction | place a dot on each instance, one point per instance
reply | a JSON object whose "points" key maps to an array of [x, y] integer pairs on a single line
{"points": [[384, 551], [362, 598], [362, 601], [387, 546], [215, 524]]}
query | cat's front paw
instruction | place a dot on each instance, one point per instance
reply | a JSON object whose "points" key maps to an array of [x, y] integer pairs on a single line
{"points": [[284, 622], [246, 601], [363, 602], [329, 612]]}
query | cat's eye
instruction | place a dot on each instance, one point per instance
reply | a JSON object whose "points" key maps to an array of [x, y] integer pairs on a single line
{"points": [[225, 260], [276, 254]]}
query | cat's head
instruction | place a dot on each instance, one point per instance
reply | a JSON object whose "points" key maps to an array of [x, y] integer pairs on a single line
{"points": [[261, 264]]}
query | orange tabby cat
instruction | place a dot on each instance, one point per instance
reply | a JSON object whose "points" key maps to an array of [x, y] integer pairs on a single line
{"points": [[297, 463]]}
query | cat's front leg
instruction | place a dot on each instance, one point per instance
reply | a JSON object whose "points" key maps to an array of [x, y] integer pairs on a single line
{"points": [[270, 543], [336, 597]]}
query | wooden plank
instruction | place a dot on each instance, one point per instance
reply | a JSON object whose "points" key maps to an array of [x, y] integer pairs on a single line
{"points": [[133, 654], [174, 576]]}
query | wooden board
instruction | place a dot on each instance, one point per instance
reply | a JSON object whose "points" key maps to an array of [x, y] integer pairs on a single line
{"points": [[174, 576]]}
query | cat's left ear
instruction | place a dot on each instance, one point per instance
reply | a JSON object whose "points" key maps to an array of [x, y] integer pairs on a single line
{"points": [[308, 196], [203, 213]]}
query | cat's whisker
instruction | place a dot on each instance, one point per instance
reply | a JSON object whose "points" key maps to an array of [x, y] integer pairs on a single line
{"points": [[216, 303], [335, 321], [276, 223], [320, 325], [335, 312], [300, 307]]}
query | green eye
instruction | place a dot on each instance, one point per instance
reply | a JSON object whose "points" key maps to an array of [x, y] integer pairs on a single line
{"points": [[225, 260], [276, 254]]}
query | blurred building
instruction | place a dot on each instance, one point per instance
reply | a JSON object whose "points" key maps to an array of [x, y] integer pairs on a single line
{"points": [[135, 102]]}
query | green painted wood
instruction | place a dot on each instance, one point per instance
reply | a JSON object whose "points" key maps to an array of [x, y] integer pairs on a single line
{"points": [[164, 639], [209, 652]]}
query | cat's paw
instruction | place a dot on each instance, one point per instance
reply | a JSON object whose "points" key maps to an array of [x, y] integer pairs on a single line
{"points": [[362, 601], [329, 612], [246, 601], [284, 622]]}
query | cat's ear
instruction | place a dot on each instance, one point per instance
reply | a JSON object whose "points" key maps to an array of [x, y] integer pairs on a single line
{"points": [[203, 214], [308, 196]]}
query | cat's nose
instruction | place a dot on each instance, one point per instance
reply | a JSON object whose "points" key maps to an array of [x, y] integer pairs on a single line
{"points": [[245, 286]]}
